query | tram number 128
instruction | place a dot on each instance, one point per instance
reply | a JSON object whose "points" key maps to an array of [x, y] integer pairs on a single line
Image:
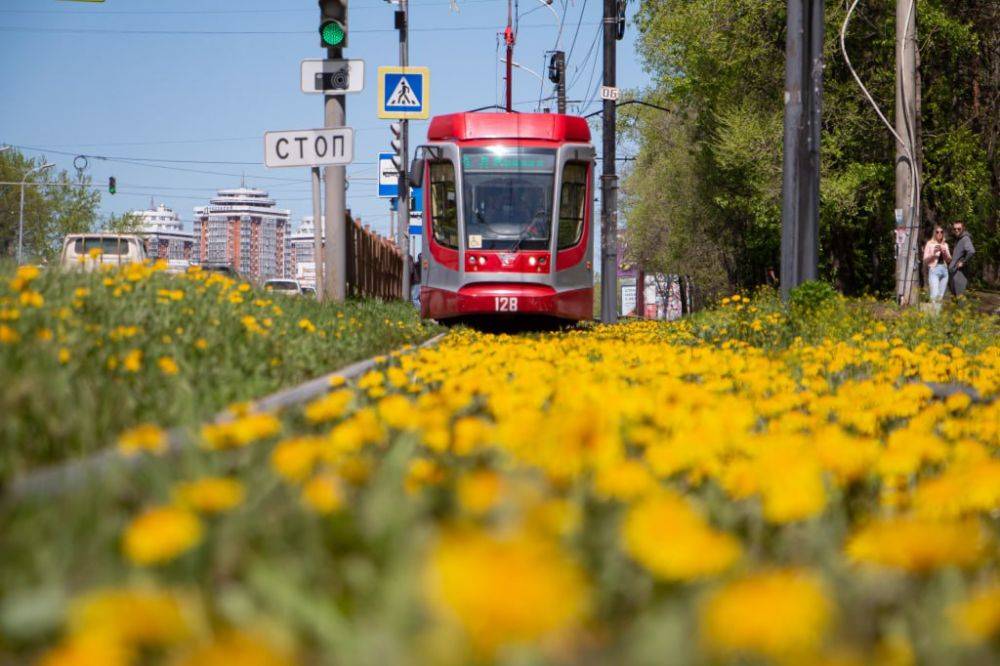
{"points": [[505, 303]]}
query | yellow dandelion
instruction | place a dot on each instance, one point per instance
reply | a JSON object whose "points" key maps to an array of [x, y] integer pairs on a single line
{"points": [[145, 437], [422, 472], [666, 535], [293, 459], [239, 432], [323, 494], [307, 326], [331, 406], [8, 335], [479, 491], [161, 534], [167, 365], [977, 618], [917, 545], [210, 494], [31, 299], [133, 616], [24, 276], [782, 615], [132, 361], [503, 590], [88, 650], [236, 648]]}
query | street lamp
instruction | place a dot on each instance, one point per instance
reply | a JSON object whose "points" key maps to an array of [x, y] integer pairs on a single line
{"points": [[20, 222]]}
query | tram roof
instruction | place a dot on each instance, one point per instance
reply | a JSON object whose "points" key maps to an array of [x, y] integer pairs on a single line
{"points": [[534, 126]]}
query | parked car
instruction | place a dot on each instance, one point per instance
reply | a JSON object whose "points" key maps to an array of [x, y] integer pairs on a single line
{"points": [[309, 291], [88, 251], [225, 269], [280, 286]]}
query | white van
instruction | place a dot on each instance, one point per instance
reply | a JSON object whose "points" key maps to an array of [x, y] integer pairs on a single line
{"points": [[114, 249]]}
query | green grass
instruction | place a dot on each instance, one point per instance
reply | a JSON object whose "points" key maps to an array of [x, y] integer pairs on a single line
{"points": [[80, 354]]}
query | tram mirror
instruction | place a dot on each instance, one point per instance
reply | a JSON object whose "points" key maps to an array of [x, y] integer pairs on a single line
{"points": [[417, 171]]}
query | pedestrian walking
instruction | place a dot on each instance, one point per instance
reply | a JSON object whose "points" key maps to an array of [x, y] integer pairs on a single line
{"points": [[960, 259], [936, 258]]}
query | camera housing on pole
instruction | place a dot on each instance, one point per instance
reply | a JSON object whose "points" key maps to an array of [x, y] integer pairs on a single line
{"points": [[333, 76]]}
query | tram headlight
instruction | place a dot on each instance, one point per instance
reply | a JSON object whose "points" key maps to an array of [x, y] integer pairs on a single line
{"points": [[532, 261]]}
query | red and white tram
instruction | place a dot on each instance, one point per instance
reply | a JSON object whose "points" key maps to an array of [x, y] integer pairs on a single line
{"points": [[508, 216]]}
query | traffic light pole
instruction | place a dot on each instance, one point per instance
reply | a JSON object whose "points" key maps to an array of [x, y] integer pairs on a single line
{"points": [[403, 219], [335, 178], [609, 179]]}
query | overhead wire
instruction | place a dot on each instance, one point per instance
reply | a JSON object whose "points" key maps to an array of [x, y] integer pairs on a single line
{"points": [[119, 31]]}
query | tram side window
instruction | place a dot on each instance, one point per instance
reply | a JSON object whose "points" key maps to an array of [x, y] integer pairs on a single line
{"points": [[444, 204], [572, 204]]}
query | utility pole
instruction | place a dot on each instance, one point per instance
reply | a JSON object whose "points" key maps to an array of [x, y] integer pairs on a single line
{"points": [[557, 75], [803, 101], [609, 179], [907, 159], [403, 216], [20, 216], [317, 234], [508, 38], [335, 180]]}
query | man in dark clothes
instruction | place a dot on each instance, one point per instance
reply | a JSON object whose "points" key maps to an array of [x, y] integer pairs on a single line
{"points": [[960, 256]]}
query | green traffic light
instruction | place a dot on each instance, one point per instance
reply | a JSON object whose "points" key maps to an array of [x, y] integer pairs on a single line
{"points": [[332, 33]]}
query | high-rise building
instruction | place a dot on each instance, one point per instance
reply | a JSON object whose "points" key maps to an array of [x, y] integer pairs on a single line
{"points": [[243, 229], [164, 236], [302, 261]]}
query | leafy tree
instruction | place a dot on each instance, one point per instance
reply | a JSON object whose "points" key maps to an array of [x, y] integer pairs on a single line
{"points": [[126, 223], [704, 195], [53, 207]]}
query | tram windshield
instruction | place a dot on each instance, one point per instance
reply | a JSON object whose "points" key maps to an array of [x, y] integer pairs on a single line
{"points": [[507, 195]]}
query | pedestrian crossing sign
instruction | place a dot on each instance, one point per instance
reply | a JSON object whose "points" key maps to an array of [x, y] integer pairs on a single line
{"points": [[404, 92]]}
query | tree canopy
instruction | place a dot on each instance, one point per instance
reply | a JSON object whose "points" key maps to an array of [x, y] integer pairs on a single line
{"points": [[703, 197], [54, 205]]}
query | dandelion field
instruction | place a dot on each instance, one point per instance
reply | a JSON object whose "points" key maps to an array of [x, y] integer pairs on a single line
{"points": [[753, 484], [84, 356]]}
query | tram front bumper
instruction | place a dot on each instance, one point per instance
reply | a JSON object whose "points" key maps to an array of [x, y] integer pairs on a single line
{"points": [[506, 299]]}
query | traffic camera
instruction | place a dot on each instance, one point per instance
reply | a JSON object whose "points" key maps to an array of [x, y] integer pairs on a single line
{"points": [[333, 23]]}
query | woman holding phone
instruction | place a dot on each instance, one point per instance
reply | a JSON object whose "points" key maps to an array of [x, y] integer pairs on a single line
{"points": [[936, 258]]}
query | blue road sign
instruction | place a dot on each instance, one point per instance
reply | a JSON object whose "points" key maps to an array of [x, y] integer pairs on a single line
{"points": [[416, 230], [388, 177], [403, 92]]}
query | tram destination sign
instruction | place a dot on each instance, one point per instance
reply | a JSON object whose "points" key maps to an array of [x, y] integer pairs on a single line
{"points": [[309, 148], [483, 160]]}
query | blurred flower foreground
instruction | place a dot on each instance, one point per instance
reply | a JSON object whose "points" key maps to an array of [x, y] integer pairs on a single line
{"points": [[749, 485]]}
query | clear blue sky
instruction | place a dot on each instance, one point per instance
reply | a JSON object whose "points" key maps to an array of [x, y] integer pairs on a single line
{"points": [[77, 77]]}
